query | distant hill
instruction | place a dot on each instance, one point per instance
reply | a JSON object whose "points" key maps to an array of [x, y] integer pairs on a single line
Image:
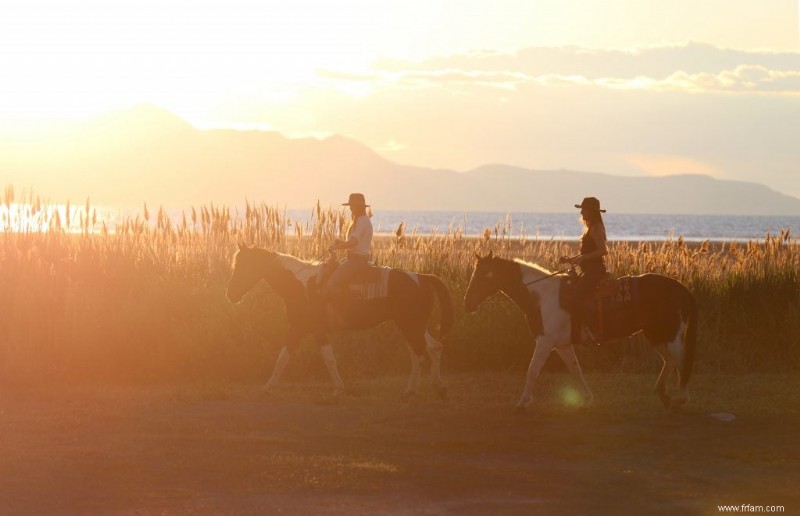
{"points": [[145, 154]]}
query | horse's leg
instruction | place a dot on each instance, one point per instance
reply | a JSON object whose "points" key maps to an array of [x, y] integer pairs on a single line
{"points": [[677, 352], [413, 378], [280, 365], [416, 343], [293, 338], [666, 371], [544, 345], [567, 354], [326, 350], [434, 348]]}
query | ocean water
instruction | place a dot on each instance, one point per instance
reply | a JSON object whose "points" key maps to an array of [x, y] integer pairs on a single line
{"points": [[619, 226], [566, 226]]}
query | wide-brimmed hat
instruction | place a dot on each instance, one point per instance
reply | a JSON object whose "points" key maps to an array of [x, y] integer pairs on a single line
{"points": [[356, 199], [590, 203]]}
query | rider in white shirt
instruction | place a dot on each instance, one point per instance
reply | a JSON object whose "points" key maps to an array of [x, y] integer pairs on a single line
{"points": [[358, 243]]}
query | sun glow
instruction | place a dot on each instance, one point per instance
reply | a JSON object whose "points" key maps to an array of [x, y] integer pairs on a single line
{"points": [[207, 59], [66, 60]]}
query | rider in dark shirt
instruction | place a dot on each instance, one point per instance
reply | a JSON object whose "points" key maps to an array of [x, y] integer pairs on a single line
{"points": [[590, 260]]}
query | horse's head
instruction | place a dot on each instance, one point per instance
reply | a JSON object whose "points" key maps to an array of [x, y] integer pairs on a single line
{"points": [[482, 284], [248, 268]]}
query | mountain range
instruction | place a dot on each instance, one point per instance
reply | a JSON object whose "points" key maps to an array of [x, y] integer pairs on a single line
{"points": [[146, 154]]}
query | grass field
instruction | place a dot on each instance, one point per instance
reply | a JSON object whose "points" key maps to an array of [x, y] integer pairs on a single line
{"points": [[129, 384], [144, 304]]}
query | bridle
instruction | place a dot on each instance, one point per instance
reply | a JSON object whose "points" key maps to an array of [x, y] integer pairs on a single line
{"points": [[526, 283]]}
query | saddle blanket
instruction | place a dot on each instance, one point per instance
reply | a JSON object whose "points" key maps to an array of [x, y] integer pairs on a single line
{"points": [[375, 288], [373, 283]]}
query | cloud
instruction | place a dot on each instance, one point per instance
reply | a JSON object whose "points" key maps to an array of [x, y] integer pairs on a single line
{"points": [[737, 118], [655, 62], [660, 165], [742, 79], [391, 146], [692, 68]]}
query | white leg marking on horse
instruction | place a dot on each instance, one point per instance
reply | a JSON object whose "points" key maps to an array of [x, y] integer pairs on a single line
{"points": [[330, 362], [434, 348], [280, 365], [677, 350], [413, 379], [544, 345], [663, 376], [567, 354], [676, 347]]}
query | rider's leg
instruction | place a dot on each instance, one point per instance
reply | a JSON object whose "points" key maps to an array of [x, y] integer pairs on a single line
{"points": [[584, 297], [341, 276], [578, 302]]}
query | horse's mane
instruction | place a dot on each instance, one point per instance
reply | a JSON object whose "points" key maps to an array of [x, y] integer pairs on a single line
{"points": [[294, 264], [285, 261], [287, 257], [238, 254], [534, 266]]}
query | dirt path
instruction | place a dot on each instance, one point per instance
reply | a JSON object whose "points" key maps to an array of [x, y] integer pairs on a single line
{"points": [[167, 452]]}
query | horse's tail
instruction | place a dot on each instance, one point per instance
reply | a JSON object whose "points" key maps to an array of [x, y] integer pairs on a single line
{"points": [[689, 313], [445, 302]]}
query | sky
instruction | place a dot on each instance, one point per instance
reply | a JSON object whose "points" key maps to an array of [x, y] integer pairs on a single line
{"points": [[630, 87]]}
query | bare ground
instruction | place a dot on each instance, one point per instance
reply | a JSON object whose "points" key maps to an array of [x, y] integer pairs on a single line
{"points": [[226, 450]]}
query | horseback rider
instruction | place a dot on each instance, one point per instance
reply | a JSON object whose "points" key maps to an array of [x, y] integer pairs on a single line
{"points": [[358, 244], [590, 260]]}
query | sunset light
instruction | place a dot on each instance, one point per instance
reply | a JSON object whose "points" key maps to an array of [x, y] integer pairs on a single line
{"points": [[205, 60], [333, 257], [428, 85]]}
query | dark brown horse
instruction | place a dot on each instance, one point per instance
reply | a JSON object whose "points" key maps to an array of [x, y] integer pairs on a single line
{"points": [[407, 300], [659, 307]]}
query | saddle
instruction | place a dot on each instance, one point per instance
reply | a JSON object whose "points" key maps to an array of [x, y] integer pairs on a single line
{"points": [[611, 304], [370, 283]]}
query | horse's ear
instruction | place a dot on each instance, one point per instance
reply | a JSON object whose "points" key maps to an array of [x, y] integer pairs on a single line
{"points": [[241, 245], [477, 256], [490, 255]]}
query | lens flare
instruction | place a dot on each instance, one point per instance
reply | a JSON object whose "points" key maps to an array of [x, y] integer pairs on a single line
{"points": [[570, 397]]}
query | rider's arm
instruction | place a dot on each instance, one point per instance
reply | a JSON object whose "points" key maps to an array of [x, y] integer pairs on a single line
{"points": [[341, 244], [352, 240]]}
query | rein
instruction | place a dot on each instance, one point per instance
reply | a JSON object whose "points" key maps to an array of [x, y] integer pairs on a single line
{"points": [[526, 283]]}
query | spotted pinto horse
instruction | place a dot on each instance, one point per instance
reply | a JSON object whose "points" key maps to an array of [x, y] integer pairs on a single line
{"points": [[662, 309], [408, 301]]}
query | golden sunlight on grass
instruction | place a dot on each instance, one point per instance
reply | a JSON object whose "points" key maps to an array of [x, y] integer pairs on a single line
{"points": [[145, 301]]}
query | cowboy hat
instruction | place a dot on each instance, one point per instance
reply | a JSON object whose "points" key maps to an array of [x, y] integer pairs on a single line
{"points": [[590, 203], [356, 199]]}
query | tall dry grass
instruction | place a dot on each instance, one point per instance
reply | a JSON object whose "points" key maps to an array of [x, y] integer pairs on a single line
{"points": [[145, 302]]}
